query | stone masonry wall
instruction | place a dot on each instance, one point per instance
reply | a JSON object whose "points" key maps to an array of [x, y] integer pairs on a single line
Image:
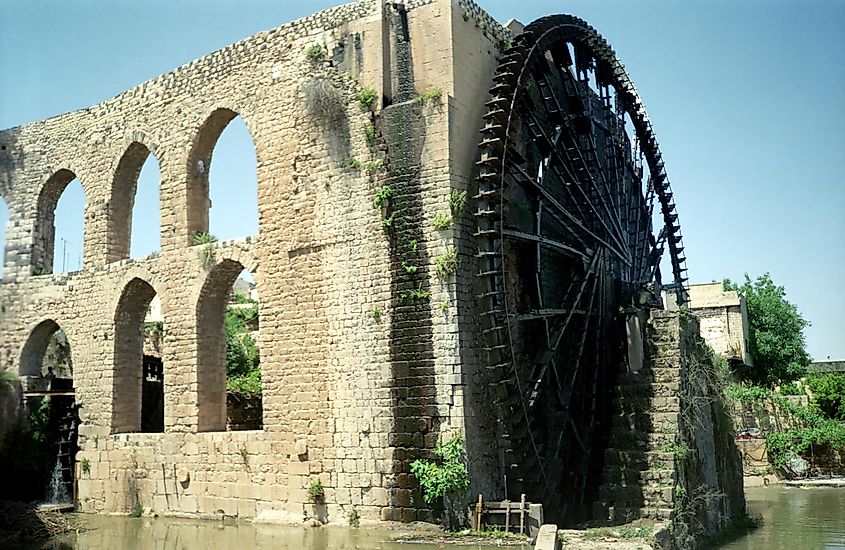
{"points": [[673, 457], [349, 398]]}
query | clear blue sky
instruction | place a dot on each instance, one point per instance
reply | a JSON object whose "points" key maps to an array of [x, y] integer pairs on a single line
{"points": [[747, 99]]}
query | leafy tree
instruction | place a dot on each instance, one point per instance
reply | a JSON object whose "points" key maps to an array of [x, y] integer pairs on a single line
{"points": [[777, 345], [829, 393]]}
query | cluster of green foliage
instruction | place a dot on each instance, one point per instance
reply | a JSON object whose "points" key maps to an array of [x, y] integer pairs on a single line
{"points": [[314, 52], [366, 98], [776, 327], [369, 167], [353, 517], [382, 196], [828, 391], [813, 426], [415, 294], [432, 94], [242, 358], [137, 511], [370, 134], [442, 221], [446, 264], [316, 492], [457, 202], [681, 450], [447, 474], [207, 253]]}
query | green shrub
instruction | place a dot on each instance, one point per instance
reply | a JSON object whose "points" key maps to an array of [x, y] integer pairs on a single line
{"points": [[367, 98], [446, 264], [137, 511], [828, 390], [432, 94], [457, 202], [370, 134], [442, 221], [316, 492], [314, 52], [353, 518], [447, 474]]}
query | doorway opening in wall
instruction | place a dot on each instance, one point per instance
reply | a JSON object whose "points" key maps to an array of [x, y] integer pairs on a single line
{"points": [[42, 466], [134, 228], [222, 179], [4, 220], [59, 226], [230, 388], [138, 384]]}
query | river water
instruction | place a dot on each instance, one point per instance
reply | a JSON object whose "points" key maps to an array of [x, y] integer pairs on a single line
{"points": [[123, 533], [795, 519]]}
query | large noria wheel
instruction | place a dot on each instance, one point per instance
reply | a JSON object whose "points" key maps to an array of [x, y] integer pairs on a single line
{"points": [[574, 214]]}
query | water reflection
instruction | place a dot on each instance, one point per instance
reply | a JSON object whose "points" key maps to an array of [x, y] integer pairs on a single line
{"points": [[796, 519], [185, 534]]}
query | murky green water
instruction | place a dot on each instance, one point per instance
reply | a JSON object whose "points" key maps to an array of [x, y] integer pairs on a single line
{"points": [[795, 519], [122, 533]]}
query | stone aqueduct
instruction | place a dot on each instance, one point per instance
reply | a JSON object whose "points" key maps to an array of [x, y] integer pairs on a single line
{"points": [[367, 354], [346, 397]]}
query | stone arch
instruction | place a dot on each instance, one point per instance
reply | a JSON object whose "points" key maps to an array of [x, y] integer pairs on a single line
{"points": [[122, 196], [129, 386], [31, 362], [198, 165], [44, 233], [211, 342]]}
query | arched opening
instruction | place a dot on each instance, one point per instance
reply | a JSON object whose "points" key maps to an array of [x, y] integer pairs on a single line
{"points": [[58, 245], [4, 220], [134, 215], [47, 444], [229, 377], [47, 353], [138, 386], [223, 196]]}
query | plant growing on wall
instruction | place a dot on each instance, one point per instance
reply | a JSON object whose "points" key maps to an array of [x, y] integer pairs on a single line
{"points": [[445, 478], [367, 98], [370, 134], [316, 492], [314, 52], [457, 202], [446, 264], [206, 241], [432, 94], [442, 221]]}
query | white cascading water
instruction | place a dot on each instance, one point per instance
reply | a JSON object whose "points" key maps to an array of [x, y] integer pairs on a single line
{"points": [[57, 493]]}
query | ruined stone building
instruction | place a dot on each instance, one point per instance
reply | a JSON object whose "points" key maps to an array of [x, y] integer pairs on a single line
{"points": [[455, 221], [724, 320]]}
